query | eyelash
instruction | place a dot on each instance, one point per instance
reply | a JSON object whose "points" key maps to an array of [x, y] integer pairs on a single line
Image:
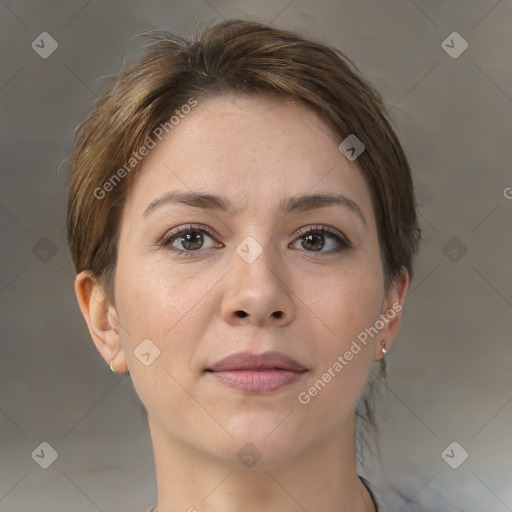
{"points": [[343, 243]]}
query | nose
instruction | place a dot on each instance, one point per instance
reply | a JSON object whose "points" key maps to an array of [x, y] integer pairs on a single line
{"points": [[258, 292]]}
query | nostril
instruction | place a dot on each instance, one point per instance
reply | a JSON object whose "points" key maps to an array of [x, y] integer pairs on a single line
{"points": [[243, 314]]}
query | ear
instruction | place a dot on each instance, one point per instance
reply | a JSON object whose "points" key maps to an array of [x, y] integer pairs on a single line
{"points": [[102, 320], [391, 313]]}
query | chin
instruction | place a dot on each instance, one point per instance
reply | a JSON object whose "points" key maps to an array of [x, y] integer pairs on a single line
{"points": [[255, 456], [263, 448]]}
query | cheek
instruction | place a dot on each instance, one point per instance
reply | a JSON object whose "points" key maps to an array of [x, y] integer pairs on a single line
{"points": [[167, 311], [343, 308], [346, 309], [169, 307], [350, 299], [156, 304]]}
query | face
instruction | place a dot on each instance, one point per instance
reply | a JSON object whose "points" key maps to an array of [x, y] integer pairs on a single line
{"points": [[256, 271]]}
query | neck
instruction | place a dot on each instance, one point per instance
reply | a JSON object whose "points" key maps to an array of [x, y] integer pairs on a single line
{"points": [[319, 477]]}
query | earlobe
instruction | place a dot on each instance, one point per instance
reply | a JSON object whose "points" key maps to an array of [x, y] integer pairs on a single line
{"points": [[391, 313], [101, 318]]}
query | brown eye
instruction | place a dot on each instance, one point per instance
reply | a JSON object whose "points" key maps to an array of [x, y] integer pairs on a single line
{"points": [[316, 238], [313, 242], [192, 241], [186, 240]]}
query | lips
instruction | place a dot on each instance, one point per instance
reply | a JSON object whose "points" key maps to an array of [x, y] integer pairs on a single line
{"points": [[271, 360], [257, 373]]}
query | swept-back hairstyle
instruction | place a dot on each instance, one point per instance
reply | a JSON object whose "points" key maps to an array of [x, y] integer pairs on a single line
{"points": [[241, 57]]}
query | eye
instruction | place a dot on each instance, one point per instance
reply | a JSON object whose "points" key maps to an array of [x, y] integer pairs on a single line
{"points": [[185, 240], [316, 238], [190, 239]]}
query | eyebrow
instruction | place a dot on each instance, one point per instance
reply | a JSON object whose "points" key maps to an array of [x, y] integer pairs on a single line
{"points": [[297, 203]]}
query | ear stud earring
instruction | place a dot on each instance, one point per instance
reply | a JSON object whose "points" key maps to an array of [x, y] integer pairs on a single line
{"points": [[384, 351]]}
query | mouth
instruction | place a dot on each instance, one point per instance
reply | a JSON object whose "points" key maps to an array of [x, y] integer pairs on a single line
{"points": [[257, 373]]}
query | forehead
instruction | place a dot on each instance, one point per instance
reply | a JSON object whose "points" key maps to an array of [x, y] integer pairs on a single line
{"points": [[251, 148]]}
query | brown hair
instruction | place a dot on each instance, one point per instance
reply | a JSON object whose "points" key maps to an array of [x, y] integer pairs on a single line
{"points": [[235, 56]]}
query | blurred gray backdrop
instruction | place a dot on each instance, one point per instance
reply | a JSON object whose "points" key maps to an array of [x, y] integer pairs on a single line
{"points": [[444, 71]]}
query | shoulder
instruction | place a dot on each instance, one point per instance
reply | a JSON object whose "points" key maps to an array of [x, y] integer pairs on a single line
{"points": [[377, 500]]}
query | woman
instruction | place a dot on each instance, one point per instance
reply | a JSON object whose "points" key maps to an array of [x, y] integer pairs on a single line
{"points": [[242, 221]]}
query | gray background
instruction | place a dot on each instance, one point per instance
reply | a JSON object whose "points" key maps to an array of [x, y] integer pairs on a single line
{"points": [[449, 371]]}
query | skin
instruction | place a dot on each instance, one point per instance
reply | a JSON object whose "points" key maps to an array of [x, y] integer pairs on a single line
{"points": [[256, 151]]}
